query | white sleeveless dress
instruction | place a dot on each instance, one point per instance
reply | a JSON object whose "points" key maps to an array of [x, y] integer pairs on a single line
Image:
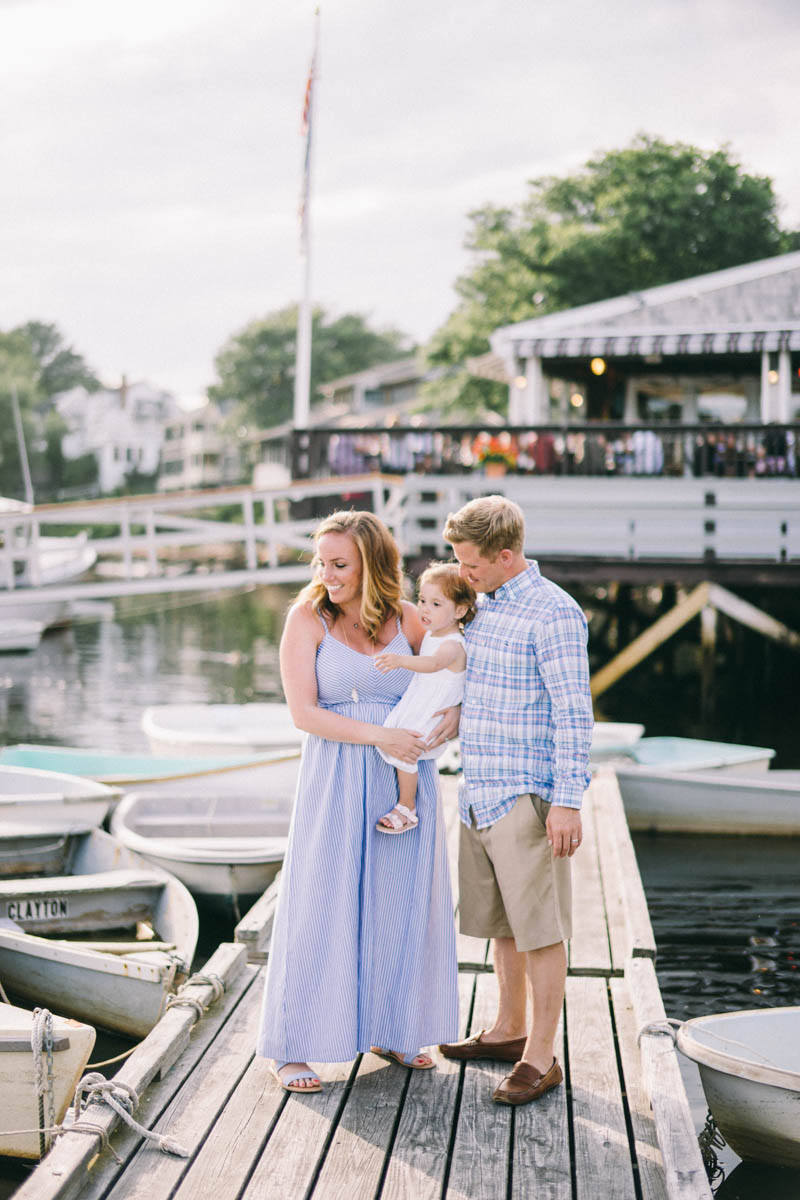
{"points": [[426, 695]]}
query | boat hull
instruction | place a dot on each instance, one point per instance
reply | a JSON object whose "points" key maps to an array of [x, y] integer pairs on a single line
{"points": [[34, 803], [72, 1045], [754, 1100], [19, 635], [136, 770], [717, 801], [206, 729], [223, 853], [125, 992]]}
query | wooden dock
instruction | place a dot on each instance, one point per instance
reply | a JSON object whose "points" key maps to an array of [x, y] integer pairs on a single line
{"points": [[619, 1128]]}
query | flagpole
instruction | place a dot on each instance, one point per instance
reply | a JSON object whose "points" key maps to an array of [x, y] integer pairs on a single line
{"points": [[302, 371]]}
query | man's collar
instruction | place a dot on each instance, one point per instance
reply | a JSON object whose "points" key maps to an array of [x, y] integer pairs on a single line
{"points": [[517, 584]]}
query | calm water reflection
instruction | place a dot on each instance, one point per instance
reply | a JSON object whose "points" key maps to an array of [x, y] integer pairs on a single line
{"points": [[726, 911]]}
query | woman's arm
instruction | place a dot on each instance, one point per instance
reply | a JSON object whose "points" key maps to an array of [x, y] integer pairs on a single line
{"points": [[302, 635]]}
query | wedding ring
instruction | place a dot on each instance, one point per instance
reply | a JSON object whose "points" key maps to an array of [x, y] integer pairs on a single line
{"points": [[574, 839]]}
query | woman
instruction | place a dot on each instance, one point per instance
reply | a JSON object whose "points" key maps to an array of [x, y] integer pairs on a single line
{"points": [[363, 950]]}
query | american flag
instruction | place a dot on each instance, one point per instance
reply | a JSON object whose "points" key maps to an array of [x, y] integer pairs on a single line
{"points": [[306, 130]]}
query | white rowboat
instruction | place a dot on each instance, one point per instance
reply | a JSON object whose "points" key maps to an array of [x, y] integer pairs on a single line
{"points": [[41, 803], [48, 927], [136, 770], [714, 801], [749, 1064], [19, 635], [205, 729], [72, 1044], [223, 851]]}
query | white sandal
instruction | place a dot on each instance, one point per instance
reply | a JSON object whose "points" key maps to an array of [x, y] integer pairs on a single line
{"points": [[288, 1082], [407, 820]]}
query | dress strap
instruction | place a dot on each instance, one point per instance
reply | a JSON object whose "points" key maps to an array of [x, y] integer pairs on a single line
{"points": [[324, 622], [399, 621]]}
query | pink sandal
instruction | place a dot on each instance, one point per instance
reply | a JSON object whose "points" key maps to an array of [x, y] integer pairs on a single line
{"points": [[400, 824]]}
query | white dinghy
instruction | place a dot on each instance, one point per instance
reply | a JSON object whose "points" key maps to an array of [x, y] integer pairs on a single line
{"points": [[613, 737], [714, 801], [205, 729], [749, 1064], [19, 635], [227, 851], [126, 770], [106, 941], [70, 1044], [35, 802]]}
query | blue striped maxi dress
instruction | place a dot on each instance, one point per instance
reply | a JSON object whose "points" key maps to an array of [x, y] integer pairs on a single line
{"points": [[363, 949]]}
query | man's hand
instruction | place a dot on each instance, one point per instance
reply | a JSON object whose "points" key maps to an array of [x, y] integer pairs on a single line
{"points": [[447, 727], [564, 830]]}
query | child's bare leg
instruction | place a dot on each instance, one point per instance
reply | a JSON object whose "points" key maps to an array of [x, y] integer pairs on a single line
{"points": [[407, 789], [406, 796]]}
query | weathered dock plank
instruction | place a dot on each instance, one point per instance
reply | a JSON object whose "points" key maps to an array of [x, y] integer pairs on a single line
{"points": [[224, 1155], [296, 1147], [420, 1151], [540, 1162], [629, 928], [355, 1160], [602, 1152], [589, 951], [255, 928], [208, 1042], [661, 1076], [648, 1152], [481, 1150], [62, 1173], [193, 1111]]}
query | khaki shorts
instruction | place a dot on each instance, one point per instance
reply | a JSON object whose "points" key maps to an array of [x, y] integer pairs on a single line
{"points": [[510, 884]]}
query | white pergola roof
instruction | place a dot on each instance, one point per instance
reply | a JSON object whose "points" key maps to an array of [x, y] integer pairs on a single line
{"points": [[690, 317]]}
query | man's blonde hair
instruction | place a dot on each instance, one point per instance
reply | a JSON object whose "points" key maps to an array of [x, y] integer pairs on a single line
{"points": [[490, 524]]}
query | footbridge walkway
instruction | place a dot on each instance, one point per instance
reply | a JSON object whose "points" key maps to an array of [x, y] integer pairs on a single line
{"points": [[634, 528]]}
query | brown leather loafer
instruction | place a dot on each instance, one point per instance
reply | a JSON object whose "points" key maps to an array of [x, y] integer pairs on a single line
{"points": [[473, 1048], [526, 1083]]}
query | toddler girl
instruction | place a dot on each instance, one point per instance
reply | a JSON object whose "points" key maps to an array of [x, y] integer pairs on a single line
{"points": [[446, 601]]}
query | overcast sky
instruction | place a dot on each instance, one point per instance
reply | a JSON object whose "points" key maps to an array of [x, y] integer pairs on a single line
{"points": [[151, 152]]}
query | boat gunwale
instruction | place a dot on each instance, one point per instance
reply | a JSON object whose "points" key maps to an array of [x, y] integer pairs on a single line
{"points": [[729, 1063]]}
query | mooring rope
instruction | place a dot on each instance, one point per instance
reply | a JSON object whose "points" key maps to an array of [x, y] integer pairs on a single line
{"points": [[669, 1026], [123, 1099], [207, 980]]}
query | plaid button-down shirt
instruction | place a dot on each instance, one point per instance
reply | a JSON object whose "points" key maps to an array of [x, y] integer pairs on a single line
{"points": [[526, 718]]}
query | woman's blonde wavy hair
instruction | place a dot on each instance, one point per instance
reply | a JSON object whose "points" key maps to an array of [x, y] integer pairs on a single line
{"points": [[381, 571]]}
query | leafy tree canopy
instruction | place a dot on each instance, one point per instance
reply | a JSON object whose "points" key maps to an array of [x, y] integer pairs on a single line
{"points": [[35, 364], [630, 219], [255, 368]]}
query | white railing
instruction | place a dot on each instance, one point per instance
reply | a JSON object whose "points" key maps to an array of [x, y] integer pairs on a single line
{"points": [[629, 520]]}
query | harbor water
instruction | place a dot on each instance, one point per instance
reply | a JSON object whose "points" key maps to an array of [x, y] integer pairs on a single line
{"points": [[725, 910]]}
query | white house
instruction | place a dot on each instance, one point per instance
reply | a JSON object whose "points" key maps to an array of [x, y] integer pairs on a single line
{"points": [[198, 452], [123, 427]]}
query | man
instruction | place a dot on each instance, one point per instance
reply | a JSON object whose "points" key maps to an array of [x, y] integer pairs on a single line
{"points": [[525, 729]]}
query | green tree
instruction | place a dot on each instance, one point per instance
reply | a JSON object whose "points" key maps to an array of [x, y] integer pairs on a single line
{"points": [[35, 363], [630, 219], [255, 368], [59, 367]]}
